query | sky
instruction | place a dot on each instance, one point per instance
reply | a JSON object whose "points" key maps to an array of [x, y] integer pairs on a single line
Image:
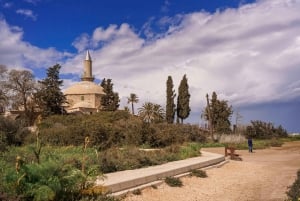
{"points": [[247, 51]]}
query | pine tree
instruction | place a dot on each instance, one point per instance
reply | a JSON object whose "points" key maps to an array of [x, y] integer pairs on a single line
{"points": [[170, 106], [110, 101], [183, 100], [50, 96]]}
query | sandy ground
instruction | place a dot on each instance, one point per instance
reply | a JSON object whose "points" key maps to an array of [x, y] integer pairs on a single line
{"points": [[263, 175]]}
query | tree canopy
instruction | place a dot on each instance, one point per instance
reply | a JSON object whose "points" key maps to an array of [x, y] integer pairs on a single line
{"points": [[3, 95], [133, 98], [220, 112], [264, 130], [151, 112], [49, 96], [183, 100], [170, 105], [109, 101]]}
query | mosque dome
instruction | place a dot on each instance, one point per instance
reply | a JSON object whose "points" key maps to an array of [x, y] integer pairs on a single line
{"points": [[84, 87]]}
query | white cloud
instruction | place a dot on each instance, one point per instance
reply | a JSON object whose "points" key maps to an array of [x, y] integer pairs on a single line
{"points": [[247, 55], [27, 13], [15, 53], [82, 42]]}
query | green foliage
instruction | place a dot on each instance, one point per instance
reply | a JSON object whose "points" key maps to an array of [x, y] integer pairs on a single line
{"points": [[173, 181], [109, 101], [198, 173], [115, 159], [220, 114], [170, 105], [264, 130], [293, 138], [3, 93], [260, 144], [151, 113], [137, 192], [190, 150], [294, 190], [132, 99], [118, 128], [50, 97], [12, 132], [183, 100], [21, 86], [58, 176]]}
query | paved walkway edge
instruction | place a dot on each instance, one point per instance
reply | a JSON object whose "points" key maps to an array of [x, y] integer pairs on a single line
{"points": [[128, 179]]}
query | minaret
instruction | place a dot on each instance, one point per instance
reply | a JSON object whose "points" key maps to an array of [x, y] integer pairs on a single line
{"points": [[87, 71]]}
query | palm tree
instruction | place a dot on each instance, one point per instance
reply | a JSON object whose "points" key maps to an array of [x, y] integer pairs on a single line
{"points": [[151, 112], [132, 99]]}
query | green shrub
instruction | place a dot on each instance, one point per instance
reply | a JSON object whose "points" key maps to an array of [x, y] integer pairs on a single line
{"points": [[57, 175], [264, 130], [173, 181], [294, 190], [137, 192], [12, 132], [115, 159], [107, 129], [198, 173]]}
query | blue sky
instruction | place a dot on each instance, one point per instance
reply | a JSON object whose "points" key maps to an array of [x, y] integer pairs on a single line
{"points": [[246, 51]]}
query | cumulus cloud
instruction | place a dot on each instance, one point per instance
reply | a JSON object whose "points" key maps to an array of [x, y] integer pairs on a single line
{"points": [[15, 53], [247, 55], [27, 13]]}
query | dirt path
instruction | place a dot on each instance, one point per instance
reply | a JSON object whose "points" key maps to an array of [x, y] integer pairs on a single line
{"points": [[263, 175]]}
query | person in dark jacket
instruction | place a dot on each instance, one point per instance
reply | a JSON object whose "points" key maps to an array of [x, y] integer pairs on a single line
{"points": [[250, 144]]}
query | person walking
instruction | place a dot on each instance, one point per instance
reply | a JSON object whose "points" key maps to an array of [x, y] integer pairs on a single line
{"points": [[250, 144]]}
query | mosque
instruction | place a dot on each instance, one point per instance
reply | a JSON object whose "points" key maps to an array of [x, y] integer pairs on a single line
{"points": [[84, 96]]}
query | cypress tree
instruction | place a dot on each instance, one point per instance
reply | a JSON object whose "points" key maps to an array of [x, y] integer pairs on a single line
{"points": [[183, 100], [50, 96], [170, 106], [110, 101]]}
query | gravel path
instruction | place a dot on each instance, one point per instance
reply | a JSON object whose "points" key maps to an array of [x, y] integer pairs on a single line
{"points": [[263, 175]]}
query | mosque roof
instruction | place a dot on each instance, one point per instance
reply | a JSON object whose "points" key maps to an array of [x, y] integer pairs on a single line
{"points": [[84, 87]]}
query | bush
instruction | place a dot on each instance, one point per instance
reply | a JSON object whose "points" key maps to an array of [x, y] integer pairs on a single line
{"points": [[57, 175], [173, 181], [107, 129], [264, 130], [137, 192], [198, 173], [12, 132], [115, 159], [294, 191]]}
